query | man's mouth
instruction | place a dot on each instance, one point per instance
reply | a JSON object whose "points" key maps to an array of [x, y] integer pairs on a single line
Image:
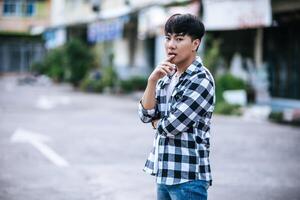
{"points": [[172, 54]]}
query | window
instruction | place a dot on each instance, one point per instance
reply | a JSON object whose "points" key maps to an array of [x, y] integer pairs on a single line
{"points": [[9, 8], [19, 8]]}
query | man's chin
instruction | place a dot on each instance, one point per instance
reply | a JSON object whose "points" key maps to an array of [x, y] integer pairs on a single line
{"points": [[174, 61]]}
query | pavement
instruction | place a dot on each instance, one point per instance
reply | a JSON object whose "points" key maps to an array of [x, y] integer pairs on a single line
{"points": [[59, 143]]}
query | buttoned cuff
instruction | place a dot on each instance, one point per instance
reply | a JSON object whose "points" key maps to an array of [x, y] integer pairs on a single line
{"points": [[146, 112]]}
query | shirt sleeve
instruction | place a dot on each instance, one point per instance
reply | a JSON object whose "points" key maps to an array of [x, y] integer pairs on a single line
{"points": [[196, 101], [147, 115]]}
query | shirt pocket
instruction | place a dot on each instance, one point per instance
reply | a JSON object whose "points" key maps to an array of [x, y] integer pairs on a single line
{"points": [[176, 98], [178, 95]]}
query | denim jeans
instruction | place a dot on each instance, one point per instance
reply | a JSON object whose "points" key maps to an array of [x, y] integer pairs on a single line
{"points": [[192, 190]]}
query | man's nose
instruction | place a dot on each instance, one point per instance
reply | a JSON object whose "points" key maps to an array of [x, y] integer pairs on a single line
{"points": [[171, 44]]}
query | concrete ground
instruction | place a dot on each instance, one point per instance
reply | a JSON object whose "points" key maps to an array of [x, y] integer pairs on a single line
{"points": [[57, 143]]}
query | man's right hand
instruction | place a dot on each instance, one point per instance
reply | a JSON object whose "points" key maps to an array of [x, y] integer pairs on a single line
{"points": [[163, 69]]}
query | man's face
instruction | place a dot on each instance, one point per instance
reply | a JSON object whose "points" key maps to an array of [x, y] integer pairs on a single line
{"points": [[182, 46]]}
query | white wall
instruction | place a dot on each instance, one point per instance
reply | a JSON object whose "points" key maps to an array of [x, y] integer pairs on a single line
{"points": [[140, 59], [79, 11], [140, 65], [57, 12], [71, 11], [159, 49], [121, 57]]}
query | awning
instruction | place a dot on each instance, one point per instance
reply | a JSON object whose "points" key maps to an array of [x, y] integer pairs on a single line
{"points": [[106, 30], [236, 14]]}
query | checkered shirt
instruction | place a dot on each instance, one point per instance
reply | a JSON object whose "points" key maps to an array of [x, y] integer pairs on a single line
{"points": [[183, 127]]}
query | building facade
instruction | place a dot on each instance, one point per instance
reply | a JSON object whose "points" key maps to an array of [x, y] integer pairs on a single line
{"points": [[20, 33], [263, 37], [129, 35]]}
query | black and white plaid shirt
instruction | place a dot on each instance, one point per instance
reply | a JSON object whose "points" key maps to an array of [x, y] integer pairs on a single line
{"points": [[183, 127]]}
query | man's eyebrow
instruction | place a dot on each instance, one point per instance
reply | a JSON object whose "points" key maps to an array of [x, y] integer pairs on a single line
{"points": [[179, 34], [175, 34]]}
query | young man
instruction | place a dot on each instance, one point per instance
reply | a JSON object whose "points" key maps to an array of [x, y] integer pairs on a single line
{"points": [[179, 101]]}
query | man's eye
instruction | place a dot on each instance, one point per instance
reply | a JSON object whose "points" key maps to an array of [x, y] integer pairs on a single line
{"points": [[167, 38], [179, 39]]}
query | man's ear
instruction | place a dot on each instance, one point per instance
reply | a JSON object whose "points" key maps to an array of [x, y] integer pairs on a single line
{"points": [[196, 44]]}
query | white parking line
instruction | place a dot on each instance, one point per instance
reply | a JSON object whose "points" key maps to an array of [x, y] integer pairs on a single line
{"points": [[37, 140], [50, 102]]}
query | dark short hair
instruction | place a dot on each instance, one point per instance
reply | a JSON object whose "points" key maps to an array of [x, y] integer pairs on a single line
{"points": [[185, 24]]}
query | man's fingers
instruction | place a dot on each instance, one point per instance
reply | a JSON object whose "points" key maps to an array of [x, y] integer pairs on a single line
{"points": [[161, 70], [169, 58], [167, 68], [169, 65]]}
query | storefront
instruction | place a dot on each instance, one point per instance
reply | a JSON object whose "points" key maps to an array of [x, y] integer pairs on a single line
{"points": [[281, 52]]}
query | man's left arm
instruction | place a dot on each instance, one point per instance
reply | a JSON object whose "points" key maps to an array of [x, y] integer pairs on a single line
{"points": [[195, 102]]}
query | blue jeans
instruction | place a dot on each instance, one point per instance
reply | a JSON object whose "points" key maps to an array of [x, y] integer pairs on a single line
{"points": [[192, 190]]}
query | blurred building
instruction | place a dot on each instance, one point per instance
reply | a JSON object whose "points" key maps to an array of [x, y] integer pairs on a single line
{"points": [[69, 18], [129, 34], [262, 37], [258, 38], [281, 53], [20, 33]]}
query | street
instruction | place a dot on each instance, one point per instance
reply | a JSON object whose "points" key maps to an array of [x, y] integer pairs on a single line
{"points": [[62, 144]]}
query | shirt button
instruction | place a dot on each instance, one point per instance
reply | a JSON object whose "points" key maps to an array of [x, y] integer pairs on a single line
{"points": [[198, 139]]}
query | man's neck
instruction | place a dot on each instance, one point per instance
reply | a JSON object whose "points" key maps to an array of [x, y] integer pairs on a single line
{"points": [[181, 67]]}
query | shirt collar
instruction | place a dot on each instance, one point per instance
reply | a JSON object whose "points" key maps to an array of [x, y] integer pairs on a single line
{"points": [[192, 69]]}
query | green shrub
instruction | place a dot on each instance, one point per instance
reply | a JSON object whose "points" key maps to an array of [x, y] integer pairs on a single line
{"points": [[126, 86], [56, 63], [110, 77], [228, 82], [227, 109], [212, 55], [135, 83], [276, 116], [223, 83], [139, 83], [79, 60], [68, 63], [38, 68], [91, 85], [53, 65]]}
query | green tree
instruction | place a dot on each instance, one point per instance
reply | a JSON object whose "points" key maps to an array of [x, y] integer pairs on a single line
{"points": [[79, 60], [212, 54]]}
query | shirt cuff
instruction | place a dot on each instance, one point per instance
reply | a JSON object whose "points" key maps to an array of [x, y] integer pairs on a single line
{"points": [[146, 112]]}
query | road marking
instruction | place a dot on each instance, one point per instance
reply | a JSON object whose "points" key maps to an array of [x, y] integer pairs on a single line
{"points": [[45, 103], [38, 140], [48, 103]]}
